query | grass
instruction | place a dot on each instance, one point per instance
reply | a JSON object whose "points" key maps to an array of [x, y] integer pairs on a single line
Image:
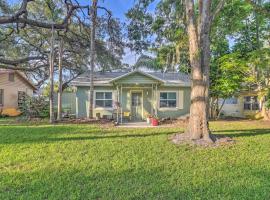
{"points": [[91, 162]]}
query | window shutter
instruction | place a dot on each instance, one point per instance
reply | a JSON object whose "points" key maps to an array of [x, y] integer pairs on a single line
{"points": [[181, 99]]}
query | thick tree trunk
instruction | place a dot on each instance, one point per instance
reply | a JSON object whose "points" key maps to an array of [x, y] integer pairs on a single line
{"points": [[199, 53], [92, 57], [60, 89], [51, 57]]}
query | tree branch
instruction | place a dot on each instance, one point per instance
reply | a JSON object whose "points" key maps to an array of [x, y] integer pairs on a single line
{"points": [[217, 10], [20, 61], [20, 19]]}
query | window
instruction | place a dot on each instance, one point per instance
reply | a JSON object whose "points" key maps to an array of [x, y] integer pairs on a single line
{"points": [[167, 100], [136, 99], [104, 99], [11, 77], [21, 99], [251, 103], [232, 100], [1, 97]]}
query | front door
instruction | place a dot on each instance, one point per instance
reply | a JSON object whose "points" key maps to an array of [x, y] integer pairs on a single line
{"points": [[136, 106]]}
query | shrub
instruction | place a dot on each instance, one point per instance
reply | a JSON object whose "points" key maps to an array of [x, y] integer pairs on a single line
{"points": [[35, 107]]}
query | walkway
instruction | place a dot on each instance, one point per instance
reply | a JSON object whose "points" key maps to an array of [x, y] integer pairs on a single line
{"points": [[135, 125]]}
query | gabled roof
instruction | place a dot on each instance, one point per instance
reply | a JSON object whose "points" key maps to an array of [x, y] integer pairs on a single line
{"points": [[7, 71], [106, 78], [136, 71]]}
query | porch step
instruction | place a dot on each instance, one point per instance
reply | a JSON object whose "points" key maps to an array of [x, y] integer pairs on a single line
{"points": [[135, 125]]}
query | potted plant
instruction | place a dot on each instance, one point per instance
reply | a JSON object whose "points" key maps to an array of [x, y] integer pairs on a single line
{"points": [[154, 121]]}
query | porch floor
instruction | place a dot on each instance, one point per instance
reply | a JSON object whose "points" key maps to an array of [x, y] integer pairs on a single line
{"points": [[135, 125]]}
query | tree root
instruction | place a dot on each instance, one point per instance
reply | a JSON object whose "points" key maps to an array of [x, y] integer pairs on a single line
{"points": [[216, 140]]}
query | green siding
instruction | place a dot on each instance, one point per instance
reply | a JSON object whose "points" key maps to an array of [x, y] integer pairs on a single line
{"points": [[68, 102], [82, 101], [147, 95], [175, 113], [136, 78], [82, 96]]}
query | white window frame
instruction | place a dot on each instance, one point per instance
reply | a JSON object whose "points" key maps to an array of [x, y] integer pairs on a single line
{"points": [[103, 108], [177, 99], [251, 103]]}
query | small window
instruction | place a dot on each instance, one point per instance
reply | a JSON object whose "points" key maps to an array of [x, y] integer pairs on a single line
{"points": [[104, 99], [11, 77], [1, 97], [167, 100], [251, 103]]}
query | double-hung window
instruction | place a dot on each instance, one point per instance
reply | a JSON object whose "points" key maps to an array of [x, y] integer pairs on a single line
{"points": [[103, 99], [251, 103], [167, 100]]}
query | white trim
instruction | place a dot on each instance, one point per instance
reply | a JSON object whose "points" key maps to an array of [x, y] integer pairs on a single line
{"points": [[102, 108], [136, 71], [134, 91], [168, 108]]}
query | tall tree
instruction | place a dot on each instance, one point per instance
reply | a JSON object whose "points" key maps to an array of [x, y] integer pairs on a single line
{"points": [[51, 61], [92, 55], [60, 79]]}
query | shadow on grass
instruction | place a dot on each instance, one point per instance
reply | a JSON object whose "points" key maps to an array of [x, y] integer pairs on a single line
{"points": [[49, 134], [242, 132]]}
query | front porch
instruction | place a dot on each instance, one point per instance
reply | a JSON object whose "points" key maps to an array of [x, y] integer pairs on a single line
{"points": [[136, 102]]}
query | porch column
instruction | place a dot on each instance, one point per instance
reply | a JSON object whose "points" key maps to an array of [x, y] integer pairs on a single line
{"points": [[121, 104], [156, 101], [152, 101], [117, 114]]}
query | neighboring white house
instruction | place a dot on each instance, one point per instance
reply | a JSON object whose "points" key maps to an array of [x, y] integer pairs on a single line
{"points": [[245, 105]]}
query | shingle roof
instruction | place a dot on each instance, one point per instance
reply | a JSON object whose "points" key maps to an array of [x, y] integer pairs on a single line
{"points": [[104, 78]]}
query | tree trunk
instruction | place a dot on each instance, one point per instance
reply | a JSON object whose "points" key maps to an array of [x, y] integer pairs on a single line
{"points": [[199, 53], [60, 89], [92, 57], [51, 61], [219, 109], [264, 111]]}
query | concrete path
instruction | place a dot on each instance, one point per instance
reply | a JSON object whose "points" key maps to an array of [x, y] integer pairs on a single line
{"points": [[135, 125]]}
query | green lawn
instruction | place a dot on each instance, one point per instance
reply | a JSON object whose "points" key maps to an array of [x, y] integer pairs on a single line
{"points": [[90, 162]]}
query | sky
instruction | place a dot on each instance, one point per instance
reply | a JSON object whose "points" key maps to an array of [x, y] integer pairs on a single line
{"points": [[118, 8]]}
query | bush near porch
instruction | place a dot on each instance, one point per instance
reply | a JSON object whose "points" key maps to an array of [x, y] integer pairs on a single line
{"points": [[41, 161]]}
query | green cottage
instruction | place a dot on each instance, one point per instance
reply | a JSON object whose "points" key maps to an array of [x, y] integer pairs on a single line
{"points": [[133, 96]]}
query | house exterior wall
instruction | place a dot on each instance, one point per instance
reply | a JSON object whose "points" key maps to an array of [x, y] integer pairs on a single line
{"points": [[11, 89], [68, 102], [136, 78], [237, 110], [234, 110], [82, 101], [149, 100], [183, 102]]}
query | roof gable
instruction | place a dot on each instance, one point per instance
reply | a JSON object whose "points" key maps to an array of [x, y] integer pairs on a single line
{"points": [[20, 76], [136, 77]]}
